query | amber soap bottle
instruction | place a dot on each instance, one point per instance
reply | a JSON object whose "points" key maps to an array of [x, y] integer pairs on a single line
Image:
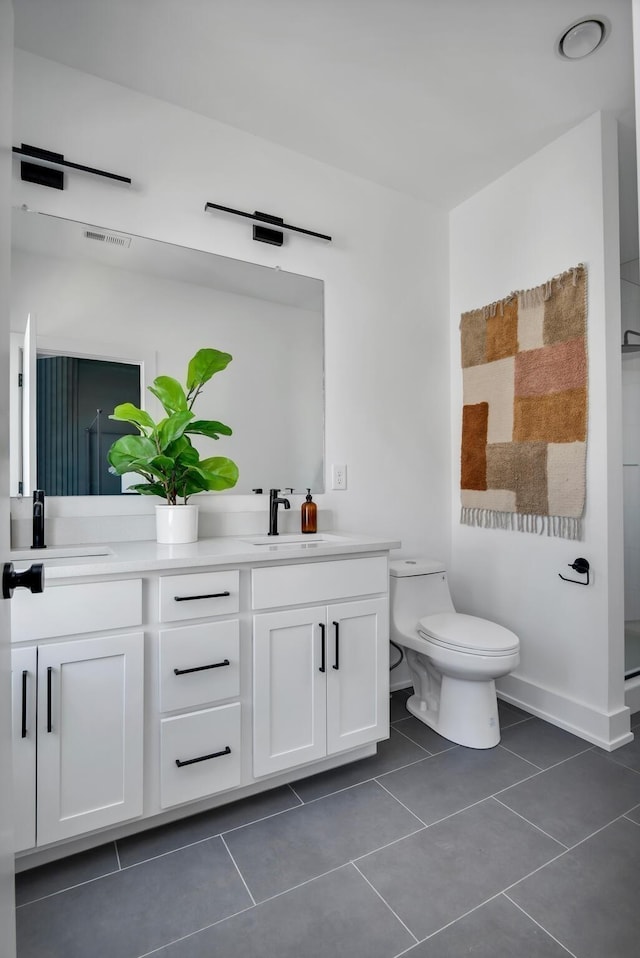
{"points": [[309, 514]]}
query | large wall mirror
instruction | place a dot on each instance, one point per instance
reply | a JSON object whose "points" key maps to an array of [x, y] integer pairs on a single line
{"points": [[96, 315]]}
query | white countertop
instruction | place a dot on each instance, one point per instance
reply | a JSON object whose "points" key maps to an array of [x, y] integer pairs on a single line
{"points": [[63, 562]]}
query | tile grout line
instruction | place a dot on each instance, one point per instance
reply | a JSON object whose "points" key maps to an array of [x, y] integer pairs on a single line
{"points": [[290, 786], [191, 934], [385, 902], [396, 799], [454, 921], [208, 838], [568, 849], [365, 781], [153, 858], [235, 864], [61, 891], [307, 881], [529, 822], [389, 844], [511, 752], [413, 741], [545, 930]]}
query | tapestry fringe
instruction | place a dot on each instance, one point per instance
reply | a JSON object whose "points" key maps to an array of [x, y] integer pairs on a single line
{"points": [[528, 298], [564, 527]]}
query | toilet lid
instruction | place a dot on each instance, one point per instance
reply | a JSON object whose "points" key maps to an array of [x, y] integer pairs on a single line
{"points": [[468, 633]]}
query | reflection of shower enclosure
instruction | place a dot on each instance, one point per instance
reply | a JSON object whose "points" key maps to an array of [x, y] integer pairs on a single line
{"points": [[631, 473], [74, 399]]}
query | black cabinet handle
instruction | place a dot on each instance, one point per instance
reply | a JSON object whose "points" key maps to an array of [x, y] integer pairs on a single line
{"points": [[24, 703], [202, 668], [49, 679], [203, 758], [336, 664], [192, 598], [323, 646]]}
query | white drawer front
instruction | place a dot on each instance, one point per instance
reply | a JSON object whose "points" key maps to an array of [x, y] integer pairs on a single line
{"points": [[199, 664], [274, 586], [73, 609], [198, 595], [200, 736]]}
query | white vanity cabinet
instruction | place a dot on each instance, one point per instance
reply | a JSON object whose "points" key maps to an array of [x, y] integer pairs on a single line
{"points": [[145, 690], [199, 678], [320, 671], [77, 715]]}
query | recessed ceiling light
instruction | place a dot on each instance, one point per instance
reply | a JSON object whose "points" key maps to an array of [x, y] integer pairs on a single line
{"points": [[582, 38]]}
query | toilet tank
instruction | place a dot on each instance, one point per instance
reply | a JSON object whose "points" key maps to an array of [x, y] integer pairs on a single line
{"points": [[418, 587]]}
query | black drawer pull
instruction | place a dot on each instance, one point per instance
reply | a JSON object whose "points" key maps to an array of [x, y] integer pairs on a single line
{"points": [[202, 668], [191, 598], [323, 644], [337, 661], [24, 703], [203, 758], [49, 679]]}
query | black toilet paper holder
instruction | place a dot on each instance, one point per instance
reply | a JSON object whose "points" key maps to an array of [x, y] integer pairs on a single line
{"points": [[581, 566]]}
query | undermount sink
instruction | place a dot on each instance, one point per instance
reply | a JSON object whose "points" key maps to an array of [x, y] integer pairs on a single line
{"points": [[290, 540], [61, 552]]}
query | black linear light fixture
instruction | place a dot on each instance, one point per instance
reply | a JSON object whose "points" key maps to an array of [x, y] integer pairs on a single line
{"points": [[44, 172], [264, 234]]}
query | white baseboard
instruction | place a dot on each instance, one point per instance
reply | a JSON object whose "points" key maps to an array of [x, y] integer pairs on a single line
{"points": [[609, 730]]}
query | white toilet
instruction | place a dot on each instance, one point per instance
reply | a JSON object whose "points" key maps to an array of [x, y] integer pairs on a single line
{"points": [[453, 658]]}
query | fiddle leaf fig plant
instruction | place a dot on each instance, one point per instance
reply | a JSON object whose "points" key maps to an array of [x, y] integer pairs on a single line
{"points": [[162, 453]]}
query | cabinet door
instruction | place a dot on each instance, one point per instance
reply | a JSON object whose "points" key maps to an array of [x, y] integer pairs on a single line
{"points": [[23, 722], [357, 674], [289, 689], [90, 723]]}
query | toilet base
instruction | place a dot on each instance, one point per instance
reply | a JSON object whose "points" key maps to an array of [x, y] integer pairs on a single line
{"points": [[467, 712]]}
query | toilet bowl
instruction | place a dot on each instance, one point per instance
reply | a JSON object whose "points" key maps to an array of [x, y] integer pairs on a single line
{"points": [[453, 658]]}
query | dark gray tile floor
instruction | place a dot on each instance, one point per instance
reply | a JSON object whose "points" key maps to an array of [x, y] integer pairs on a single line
{"points": [[427, 849]]}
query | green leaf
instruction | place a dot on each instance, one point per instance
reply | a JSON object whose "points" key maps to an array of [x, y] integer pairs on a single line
{"points": [[170, 393], [148, 489], [182, 452], [208, 427], [204, 365], [127, 412], [172, 428], [220, 472], [130, 453]]}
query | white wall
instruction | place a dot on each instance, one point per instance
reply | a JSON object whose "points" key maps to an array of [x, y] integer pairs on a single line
{"points": [[387, 382], [556, 209]]}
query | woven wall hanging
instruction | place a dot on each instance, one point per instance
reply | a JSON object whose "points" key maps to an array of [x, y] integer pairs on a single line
{"points": [[524, 416]]}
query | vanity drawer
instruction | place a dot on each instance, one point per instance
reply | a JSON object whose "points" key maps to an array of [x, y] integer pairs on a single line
{"points": [[199, 664], [73, 609], [198, 595], [196, 741], [274, 586]]}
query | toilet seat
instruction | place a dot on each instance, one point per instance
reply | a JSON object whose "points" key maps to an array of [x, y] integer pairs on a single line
{"points": [[468, 633]]}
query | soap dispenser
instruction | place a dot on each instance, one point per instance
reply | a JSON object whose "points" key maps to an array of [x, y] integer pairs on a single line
{"points": [[309, 514]]}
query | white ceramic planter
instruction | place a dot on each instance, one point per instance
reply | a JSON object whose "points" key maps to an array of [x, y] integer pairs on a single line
{"points": [[176, 524]]}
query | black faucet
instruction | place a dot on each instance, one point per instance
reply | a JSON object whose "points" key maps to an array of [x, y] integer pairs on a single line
{"points": [[38, 519], [274, 502]]}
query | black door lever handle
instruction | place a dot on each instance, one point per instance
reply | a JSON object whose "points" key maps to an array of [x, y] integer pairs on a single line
{"points": [[31, 578]]}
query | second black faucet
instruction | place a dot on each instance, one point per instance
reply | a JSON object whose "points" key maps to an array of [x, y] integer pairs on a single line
{"points": [[274, 501]]}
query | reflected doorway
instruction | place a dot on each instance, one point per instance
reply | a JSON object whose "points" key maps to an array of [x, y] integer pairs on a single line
{"points": [[75, 397]]}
